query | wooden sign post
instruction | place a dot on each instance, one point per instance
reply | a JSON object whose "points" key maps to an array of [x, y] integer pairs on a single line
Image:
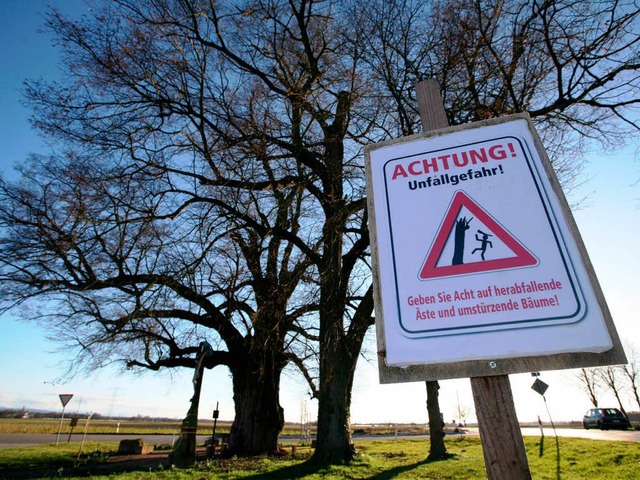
{"points": [[502, 443], [479, 270]]}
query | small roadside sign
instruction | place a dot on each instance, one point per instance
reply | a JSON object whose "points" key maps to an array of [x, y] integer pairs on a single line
{"points": [[476, 255], [64, 399], [539, 386]]}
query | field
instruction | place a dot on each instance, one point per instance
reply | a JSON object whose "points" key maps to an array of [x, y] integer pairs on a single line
{"points": [[144, 427], [377, 459]]}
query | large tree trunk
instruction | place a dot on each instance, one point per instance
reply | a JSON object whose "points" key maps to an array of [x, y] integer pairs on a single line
{"points": [[337, 367], [437, 449], [339, 345], [334, 444], [338, 360], [256, 395]]}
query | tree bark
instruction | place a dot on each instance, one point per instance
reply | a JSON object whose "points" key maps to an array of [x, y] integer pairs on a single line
{"points": [[337, 368], [338, 350], [437, 448], [338, 362], [334, 444], [259, 417]]}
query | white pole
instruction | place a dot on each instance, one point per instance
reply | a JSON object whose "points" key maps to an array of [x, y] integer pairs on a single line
{"points": [[60, 425]]}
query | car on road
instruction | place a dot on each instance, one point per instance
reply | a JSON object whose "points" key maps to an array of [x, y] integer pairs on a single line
{"points": [[604, 419]]}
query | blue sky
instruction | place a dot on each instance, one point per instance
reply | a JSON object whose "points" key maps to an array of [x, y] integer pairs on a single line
{"points": [[32, 373]]}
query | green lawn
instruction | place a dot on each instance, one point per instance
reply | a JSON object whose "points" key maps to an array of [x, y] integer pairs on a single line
{"points": [[50, 425], [128, 426], [379, 459]]}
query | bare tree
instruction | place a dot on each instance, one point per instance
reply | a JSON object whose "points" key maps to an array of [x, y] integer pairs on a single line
{"points": [[214, 109], [135, 280], [631, 372], [569, 65], [227, 118], [591, 383], [610, 376], [462, 412], [437, 448]]}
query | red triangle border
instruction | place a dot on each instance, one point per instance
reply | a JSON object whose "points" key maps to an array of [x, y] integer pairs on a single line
{"points": [[429, 269]]}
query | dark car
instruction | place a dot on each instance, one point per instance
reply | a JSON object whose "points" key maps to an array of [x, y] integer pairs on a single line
{"points": [[605, 418]]}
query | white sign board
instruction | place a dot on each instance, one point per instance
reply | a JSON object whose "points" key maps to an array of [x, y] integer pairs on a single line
{"points": [[474, 256]]}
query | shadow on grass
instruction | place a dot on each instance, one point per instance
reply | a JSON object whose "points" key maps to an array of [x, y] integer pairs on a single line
{"points": [[71, 470], [394, 472], [304, 469], [447, 456], [294, 471], [298, 471]]}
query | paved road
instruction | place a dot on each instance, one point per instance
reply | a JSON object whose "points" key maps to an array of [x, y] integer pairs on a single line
{"points": [[608, 435], [617, 435], [21, 440]]}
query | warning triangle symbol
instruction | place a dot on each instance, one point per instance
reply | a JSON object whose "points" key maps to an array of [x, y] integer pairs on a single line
{"points": [[455, 227]]}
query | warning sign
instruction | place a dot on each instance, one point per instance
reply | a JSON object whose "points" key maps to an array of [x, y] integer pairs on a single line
{"points": [[474, 254], [485, 253]]}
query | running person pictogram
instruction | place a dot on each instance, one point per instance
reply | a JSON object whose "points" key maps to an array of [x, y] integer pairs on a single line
{"points": [[483, 238]]}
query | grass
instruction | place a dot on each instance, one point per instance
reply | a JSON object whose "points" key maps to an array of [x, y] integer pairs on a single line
{"points": [[377, 459], [50, 425], [46, 456], [142, 427], [129, 427]]}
